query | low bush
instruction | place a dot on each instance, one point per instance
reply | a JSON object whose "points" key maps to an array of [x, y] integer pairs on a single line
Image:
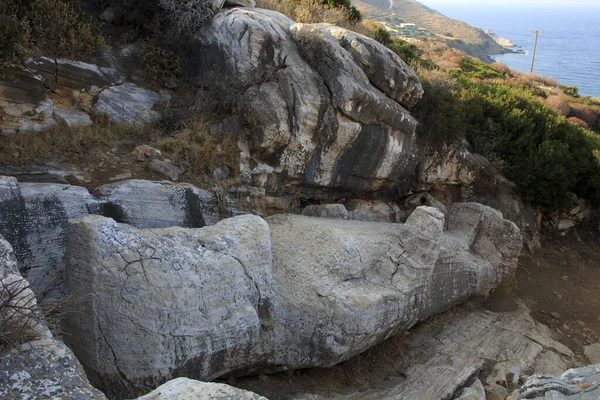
{"points": [[54, 27], [476, 69], [572, 91], [559, 104]]}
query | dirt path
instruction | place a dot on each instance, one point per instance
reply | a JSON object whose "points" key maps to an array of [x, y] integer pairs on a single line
{"points": [[561, 285]]}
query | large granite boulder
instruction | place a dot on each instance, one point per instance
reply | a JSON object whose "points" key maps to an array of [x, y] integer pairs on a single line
{"points": [[188, 389], [34, 216], [148, 204], [311, 119], [167, 302], [45, 370], [129, 103], [33, 219], [246, 296]]}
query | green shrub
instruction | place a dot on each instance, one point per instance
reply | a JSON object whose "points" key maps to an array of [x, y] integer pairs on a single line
{"points": [[52, 27], [543, 153], [476, 69], [353, 14], [572, 91]]}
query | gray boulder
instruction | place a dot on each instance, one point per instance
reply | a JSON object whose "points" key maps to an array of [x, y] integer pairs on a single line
{"points": [[313, 120], [188, 389], [326, 211], [8, 261], [33, 219], [245, 296], [170, 302], [129, 104], [72, 118], [45, 370], [148, 204], [34, 216], [69, 74], [374, 211], [579, 383]]}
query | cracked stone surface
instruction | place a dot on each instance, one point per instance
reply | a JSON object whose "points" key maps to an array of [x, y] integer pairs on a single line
{"points": [[576, 384], [33, 218], [168, 302], [247, 295], [45, 370]]}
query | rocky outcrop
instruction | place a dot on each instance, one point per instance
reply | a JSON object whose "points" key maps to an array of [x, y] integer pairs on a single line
{"points": [[34, 216], [20, 317], [44, 369], [188, 389], [129, 103], [454, 353], [190, 298], [245, 296], [148, 204], [46, 91], [580, 383], [326, 211], [375, 211], [312, 120], [456, 175], [33, 219]]}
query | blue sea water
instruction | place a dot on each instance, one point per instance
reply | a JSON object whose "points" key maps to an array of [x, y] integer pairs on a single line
{"points": [[568, 48]]}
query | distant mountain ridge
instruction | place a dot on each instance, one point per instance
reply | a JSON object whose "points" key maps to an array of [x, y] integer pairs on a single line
{"points": [[456, 34]]}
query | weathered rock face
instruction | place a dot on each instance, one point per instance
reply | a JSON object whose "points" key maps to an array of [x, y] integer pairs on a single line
{"points": [[129, 103], [457, 175], [246, 296], [44, 93], [579, 383], [312, 119], [188, 389], [326, 211], [44, 369], [33, 218], [190, 298], [375, 211], [453, 349], [147, 204]]}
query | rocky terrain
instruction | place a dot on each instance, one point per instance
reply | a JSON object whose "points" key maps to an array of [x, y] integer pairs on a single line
{"points": [[344, 235], [454, 33]]}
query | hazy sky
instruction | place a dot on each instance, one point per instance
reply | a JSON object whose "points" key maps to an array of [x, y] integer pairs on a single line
{"points": [[434, 3]]}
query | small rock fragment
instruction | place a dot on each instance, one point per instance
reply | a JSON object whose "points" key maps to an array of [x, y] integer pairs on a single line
{"points": [[145, 152], [165, 168]]}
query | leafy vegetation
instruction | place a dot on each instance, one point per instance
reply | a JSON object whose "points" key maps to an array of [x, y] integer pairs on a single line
{"points": [[546, 155], [353, 14], [58, 27]]}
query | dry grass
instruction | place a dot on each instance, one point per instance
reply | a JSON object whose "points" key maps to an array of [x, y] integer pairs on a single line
{"points": [[559, 104], [71, 144], [500, 67], [577, 121], [314, 11], [589, 114], [199, 152], [18, 312]]}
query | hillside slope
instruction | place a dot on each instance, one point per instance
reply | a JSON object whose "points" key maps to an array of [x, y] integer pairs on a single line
{"points": [[473, 41]]}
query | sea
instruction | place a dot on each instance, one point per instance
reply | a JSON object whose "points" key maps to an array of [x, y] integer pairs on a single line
{"points": [[568, 45]]}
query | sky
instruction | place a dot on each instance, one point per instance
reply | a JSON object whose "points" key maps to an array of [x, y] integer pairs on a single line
{"points": [[434, 3]]}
